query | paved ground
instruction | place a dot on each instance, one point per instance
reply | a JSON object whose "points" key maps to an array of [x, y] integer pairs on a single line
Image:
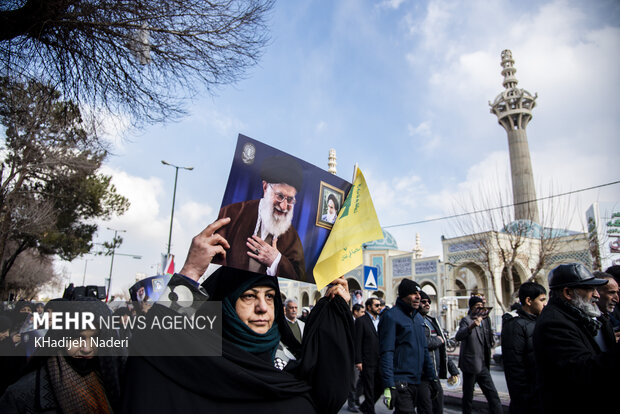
{"points": [[452, 397]]}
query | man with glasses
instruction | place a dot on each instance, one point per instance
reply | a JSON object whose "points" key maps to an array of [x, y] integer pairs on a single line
{"points": [[367, 354], [260, 237], [437, 348]]}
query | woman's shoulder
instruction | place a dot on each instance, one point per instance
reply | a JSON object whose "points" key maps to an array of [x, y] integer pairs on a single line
{"points": [[19, 397]]}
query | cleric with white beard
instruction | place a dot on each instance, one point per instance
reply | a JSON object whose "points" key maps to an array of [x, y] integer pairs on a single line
{"points": [[260, 233]]}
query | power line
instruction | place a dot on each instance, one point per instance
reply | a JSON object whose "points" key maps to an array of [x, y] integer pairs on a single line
{"points": [[500, 207]]}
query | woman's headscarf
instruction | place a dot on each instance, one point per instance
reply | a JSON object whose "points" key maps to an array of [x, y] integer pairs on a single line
{"points": [[226, 285]]}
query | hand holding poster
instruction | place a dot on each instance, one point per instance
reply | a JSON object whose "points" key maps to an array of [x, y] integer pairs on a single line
{"points": [[357, 224]]}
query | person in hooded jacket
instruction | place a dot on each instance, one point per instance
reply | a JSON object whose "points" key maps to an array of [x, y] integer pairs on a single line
{"points": [[248, 376], [518, 348]]}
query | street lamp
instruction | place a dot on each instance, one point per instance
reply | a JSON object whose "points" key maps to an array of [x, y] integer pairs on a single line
{"points": [[174, 193], [84, 277], [116, 231]]}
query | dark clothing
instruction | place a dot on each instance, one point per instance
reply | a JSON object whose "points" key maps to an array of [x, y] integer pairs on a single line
{"points": [[403, 348], [406, 397], [484, 380], [31, 394], [572, 371], [426, 403], [38, 392], [441, 365], [437, 349], [240, 381], [366, 341], [476, 345], [519, 362], [607, 331], [243, 218], [367, 354], [474, 361]]}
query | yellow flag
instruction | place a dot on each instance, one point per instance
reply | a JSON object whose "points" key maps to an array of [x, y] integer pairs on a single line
{"points": [[357, 224]]}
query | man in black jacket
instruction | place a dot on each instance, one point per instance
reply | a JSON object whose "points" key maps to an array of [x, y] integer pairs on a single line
{"points": [[573, 374], [476, 337], [608, 301], [367, 354], [437, 348], [518, 348]]}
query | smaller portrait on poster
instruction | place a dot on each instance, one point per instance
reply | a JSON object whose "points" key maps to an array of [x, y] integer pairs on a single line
{"points": [[330, 202]]}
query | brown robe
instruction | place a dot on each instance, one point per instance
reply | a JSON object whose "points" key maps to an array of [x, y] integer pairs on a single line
{"points": [[243, 217]]}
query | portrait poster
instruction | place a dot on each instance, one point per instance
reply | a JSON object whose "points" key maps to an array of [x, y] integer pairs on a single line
{"points": [[271, 192]]}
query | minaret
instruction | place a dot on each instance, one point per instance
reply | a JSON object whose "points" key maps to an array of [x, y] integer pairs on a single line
{"points": [[417, 250], [331, 162], [513, 108]]}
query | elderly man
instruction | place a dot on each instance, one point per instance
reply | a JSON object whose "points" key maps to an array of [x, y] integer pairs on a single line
{"points": [[574, 374], [405, 360], [607, 303], [260, 235], [290, 314], [477, 340]]}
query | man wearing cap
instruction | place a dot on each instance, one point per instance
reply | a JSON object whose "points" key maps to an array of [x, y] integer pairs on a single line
{"points": [[260, 233], [477, 340], [574, 374], [404, 356], [437, 348]]}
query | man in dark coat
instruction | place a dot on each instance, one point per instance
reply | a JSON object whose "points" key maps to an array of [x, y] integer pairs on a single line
{"points": [[573, 372], [606, 338], [367, 354], [477, 340], [405, 360], [518, 348], [437, 348], [260, 235], [614, 317]]}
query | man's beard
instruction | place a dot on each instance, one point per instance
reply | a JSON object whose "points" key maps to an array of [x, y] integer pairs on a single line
{"points": [[587, 307], [331, 217], [272, 224]]}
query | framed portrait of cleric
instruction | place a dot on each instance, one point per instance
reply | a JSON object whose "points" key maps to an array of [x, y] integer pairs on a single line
{"points": [[274, 201], [330, 201]]}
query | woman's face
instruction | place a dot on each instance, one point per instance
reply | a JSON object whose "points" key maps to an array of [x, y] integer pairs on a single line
{"points": [[84, 346], [255, 308]]}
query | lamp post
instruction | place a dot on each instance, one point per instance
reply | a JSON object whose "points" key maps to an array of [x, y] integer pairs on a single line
{"points": [[174, 193], [84, 277], [116, 231]]}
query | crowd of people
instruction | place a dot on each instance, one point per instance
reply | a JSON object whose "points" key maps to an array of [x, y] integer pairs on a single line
{"points": [[276, 357], [551, 354]]}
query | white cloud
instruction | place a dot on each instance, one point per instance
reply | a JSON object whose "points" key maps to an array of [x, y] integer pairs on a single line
{"points": [[391, 4], [321, 126], [424, 136]]}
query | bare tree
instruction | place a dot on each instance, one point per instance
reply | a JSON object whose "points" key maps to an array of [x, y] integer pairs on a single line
{"points": [[501, 242], [139, 57]]}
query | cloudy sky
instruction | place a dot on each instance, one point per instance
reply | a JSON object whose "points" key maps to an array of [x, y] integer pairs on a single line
{"points": [[400, 87]]}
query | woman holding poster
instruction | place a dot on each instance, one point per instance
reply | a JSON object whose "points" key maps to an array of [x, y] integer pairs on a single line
{"points": [[249, 376]]}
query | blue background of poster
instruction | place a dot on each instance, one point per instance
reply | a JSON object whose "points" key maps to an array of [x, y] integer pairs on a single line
{"points": [[244, 183]]}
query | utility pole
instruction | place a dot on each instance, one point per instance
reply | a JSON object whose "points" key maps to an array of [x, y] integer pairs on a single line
{"points": [[174, 193]]}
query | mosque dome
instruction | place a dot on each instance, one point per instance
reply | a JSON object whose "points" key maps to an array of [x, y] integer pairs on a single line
{"points": [[534, 230], [388, 242]]}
